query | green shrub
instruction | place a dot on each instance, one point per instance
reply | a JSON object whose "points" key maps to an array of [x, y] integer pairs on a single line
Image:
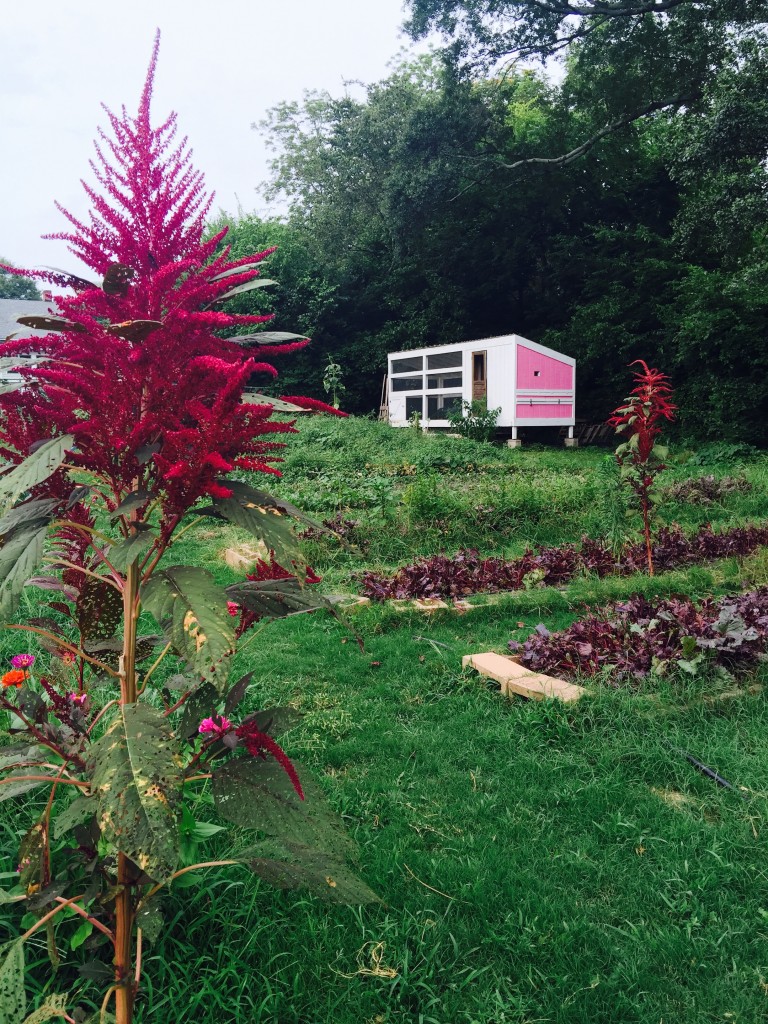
{"points": [[475, 421]]}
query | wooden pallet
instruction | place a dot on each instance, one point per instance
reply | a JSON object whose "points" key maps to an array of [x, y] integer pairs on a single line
{"points": [[516, 679]]}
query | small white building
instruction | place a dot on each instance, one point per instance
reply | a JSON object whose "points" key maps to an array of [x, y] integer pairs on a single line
{"points": [[532, 385]]}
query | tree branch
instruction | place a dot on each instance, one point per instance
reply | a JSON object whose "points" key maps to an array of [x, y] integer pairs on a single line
{"points": [[613, 126], [607, 9]]}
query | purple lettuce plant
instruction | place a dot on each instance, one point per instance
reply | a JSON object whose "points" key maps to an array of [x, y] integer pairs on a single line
{"points": [[626, 641]]}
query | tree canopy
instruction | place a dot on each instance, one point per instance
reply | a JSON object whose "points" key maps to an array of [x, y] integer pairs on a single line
{"points": [[12, 286], [625, 59]]}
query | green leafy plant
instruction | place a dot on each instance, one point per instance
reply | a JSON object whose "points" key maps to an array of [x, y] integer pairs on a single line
{"points": [[474, 421], [722, 452], [332, 382], [127, 433], [611, 505], [640, 458], [414, 421]]}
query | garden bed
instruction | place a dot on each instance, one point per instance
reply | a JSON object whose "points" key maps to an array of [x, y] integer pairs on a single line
{"points": [[631, 639], [441, 576]]}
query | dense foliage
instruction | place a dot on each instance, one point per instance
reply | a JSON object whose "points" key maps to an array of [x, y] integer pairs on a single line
{"points": [[12, 286]]}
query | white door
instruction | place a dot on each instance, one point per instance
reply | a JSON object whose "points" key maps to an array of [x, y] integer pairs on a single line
{"points": [[397, 410]]}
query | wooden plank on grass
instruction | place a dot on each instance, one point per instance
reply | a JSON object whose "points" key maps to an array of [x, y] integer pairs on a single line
{"points": [[516, 679]]}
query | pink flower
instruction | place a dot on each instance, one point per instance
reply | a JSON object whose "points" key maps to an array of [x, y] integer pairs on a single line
{"points": [[217, 725], [22, 660], [232, 608]]}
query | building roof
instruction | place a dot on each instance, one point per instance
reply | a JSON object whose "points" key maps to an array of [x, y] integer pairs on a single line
{"points": [[11, 308]]}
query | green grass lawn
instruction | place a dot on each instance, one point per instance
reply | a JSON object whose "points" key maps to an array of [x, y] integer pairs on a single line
{"points": [[537, 862]]}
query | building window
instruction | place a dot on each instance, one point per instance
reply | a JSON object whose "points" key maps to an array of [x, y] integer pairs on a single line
{"points": [[407, 365], [441, 381], [441, 407], [407, 383], [444, 360], [414, 405], [478, 366]]}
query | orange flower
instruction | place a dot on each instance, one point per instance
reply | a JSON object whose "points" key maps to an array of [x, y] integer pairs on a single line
{"points": [[14, 678]]}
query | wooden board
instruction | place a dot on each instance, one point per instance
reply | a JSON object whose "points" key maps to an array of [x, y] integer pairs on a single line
{"points": [[244, 558], [516, 679]]}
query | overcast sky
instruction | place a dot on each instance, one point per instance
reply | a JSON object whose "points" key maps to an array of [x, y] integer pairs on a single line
{"points": [[222, 65]]}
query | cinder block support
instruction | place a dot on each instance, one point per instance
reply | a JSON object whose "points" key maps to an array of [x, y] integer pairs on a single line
{"points": [[571, 441], [514, 441]]}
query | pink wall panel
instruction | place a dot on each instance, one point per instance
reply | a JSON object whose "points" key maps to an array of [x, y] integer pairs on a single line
{"points": [[552, 373], [525, 411]]}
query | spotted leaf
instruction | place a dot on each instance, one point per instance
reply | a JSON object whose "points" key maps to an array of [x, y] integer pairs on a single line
{"points": [[288, 866], [136, 781], [192, 609], [41, 464], [258, 794]]}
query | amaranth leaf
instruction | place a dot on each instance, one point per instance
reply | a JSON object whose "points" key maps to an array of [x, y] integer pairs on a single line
{"points": [[245, 268], [78, 812], [137, 783], [278, 405], [267, 338], [132, 501], [122, 554], [50, 323], [31, 513], [288, 866], [13, 996], [54, 1007], [99, 609], [276, 598], [192, 609], [264, 516], [258, 794], [36, 468], [247, 287], [20, 555], [11, 788], [201, 704]]}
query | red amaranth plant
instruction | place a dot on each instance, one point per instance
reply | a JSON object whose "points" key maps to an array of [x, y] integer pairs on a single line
{"points": [[640, 420], [131, 413]]}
